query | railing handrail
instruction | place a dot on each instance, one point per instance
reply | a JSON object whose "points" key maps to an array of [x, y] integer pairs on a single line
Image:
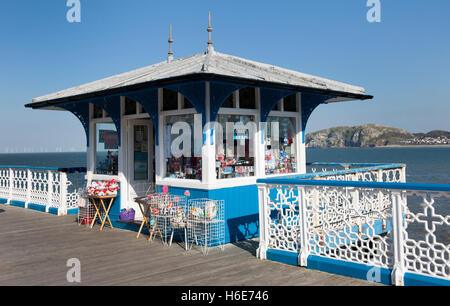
{"points": [[363, 168], [344, 164], [356, 184], [66, 169]]}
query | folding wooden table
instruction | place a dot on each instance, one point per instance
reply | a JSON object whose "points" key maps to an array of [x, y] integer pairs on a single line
{"points": [[145, 206], [99, 204]]}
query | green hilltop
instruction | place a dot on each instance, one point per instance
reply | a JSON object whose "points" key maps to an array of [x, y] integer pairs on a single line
{"points": [[372, 135]]}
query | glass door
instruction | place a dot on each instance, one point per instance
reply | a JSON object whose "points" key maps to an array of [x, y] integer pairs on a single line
{"points": [[140, 160]]}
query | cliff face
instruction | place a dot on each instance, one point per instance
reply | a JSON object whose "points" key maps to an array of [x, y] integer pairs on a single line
{"points": [[369, 135]]}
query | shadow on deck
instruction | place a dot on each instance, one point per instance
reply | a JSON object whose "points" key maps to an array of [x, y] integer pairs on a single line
{"points": [[35, 248]]}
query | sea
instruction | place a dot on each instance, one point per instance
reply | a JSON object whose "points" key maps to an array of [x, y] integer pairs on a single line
{"points": [[430, 165], [423, 164]]}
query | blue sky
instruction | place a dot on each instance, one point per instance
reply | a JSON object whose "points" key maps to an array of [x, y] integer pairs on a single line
{"points": [[404, 61]]}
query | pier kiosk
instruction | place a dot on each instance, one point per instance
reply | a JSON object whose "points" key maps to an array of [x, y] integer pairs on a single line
{"points": [[135, 122]]}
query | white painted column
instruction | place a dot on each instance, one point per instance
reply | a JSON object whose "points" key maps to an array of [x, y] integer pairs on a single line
{"points": [[160, 163], [300, 144], [92, 147], [62, 211], [208, 149], [398, 270], [263, 225], [123, 157], [260, 170]]}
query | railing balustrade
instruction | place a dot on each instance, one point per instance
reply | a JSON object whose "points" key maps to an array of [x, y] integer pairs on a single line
{"points": [[366, 216], [47, 189]]}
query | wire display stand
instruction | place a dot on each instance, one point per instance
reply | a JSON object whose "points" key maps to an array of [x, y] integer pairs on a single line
{"points": [[167, 214], [206, 224], [86, 210]]}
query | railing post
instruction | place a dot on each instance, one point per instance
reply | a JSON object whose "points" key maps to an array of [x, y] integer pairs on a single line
{"points": [[398, 239], [49, 190], [263, 227], [28, 200], [11, 183], [62, 193], [403, 175], [304, 245]]}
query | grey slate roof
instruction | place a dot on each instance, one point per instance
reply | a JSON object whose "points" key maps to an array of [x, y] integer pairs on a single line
{"points": [[211, 62]]}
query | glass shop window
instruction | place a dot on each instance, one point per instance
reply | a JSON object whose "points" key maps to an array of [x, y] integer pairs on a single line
{"points": [[182, 163], [235, 151], [280, 155], [98, 112], [290, 103], [247, 98], [130, 107], [170, 100], [107, 149]]}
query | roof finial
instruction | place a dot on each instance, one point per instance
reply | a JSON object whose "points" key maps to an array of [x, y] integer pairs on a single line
{"points": [[170, 57], [210, 43]]}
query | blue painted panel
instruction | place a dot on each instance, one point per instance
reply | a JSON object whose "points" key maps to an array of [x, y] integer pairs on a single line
{"points": [[349, 269], [53, 210], [241, 208], [17, 204], [412, 279], [3, 201], [289, 258], [73, 211], [37, 207], [241, 211]]}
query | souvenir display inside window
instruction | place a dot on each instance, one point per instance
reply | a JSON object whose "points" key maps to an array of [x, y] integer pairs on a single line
{"points": [[235, 159], [280, 148], [183, 167], [107, 149]]}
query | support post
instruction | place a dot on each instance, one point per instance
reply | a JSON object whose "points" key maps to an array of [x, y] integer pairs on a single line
{"points": [[11, 185], [263, 226], [62, 194], [304, 246], [398, 239], [49, 190], [28, 200]]}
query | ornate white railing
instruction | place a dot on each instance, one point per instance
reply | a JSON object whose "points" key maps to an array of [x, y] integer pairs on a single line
{"points": [[396, 226], [47, 189]]}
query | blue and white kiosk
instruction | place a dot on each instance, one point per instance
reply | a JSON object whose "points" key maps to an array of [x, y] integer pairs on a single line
{"points": [[129, 122]]}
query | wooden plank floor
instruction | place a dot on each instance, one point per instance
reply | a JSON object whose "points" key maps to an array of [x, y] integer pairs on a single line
{"points": [[35, 247]]}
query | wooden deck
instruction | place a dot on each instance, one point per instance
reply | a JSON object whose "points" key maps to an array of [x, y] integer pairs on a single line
{"points": [[35, 247]]}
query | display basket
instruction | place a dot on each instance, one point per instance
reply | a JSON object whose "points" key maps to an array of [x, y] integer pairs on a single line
{"points": [[86, 210], [206, 224]]}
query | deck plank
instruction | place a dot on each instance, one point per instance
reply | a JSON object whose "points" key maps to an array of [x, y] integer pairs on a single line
{"points": [[34, 249]]}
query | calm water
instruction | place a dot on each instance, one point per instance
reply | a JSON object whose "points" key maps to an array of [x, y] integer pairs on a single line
{"points": [[424, 165]]}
